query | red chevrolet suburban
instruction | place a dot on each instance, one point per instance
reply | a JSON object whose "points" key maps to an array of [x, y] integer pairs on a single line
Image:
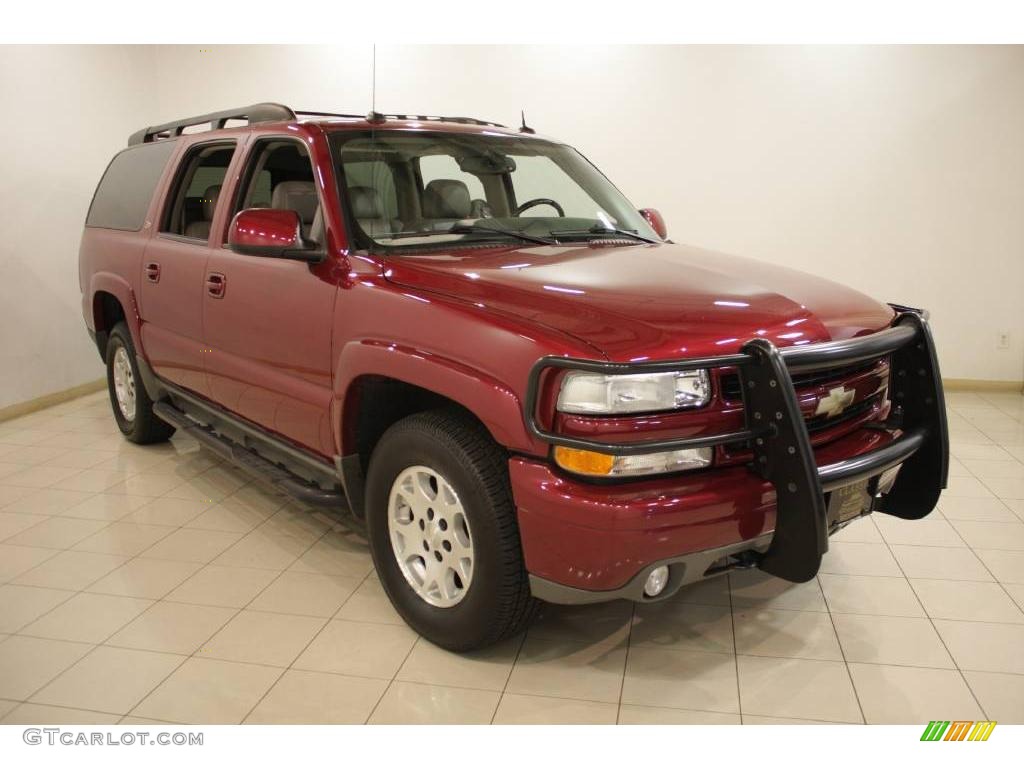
{"points": [[464, 340]]}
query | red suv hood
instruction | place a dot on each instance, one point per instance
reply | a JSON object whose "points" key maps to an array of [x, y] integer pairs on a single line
{"points": [[648, 301]]}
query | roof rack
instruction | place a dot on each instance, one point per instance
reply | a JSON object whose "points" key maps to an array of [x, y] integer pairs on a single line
{"points": [[271, 112], [256, 113], [319, 113], [377, 117], [436, 119]]}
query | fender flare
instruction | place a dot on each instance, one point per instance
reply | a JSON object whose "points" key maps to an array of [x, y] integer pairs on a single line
{"points": [[492, 402], [120, 289]]}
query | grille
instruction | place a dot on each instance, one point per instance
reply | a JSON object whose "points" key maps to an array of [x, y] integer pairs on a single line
{"points": [[733, 390], [823, 422]]}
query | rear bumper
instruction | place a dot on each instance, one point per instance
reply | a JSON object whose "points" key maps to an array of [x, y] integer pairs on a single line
{"points": [[585, 542]]}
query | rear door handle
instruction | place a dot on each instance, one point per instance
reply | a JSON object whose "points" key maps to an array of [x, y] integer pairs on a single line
{"points": [[216, 284], [153, 272]]}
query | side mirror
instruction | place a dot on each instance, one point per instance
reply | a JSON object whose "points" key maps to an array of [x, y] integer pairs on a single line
{"points": [[656, 221], [270, 232]]}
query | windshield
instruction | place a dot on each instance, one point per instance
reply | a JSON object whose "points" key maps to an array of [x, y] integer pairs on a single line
{"points": [[411, 188]]}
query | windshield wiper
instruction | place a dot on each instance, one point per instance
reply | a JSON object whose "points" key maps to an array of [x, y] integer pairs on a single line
{"points": [[469, 228], [601, 230]]}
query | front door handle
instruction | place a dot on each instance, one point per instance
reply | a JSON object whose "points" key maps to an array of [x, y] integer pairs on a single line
{"points": [[153, 272], [216, 284]]}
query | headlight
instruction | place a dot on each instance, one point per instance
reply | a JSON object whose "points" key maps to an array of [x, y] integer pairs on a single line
{"points": [[599, 393], [595, 464]]}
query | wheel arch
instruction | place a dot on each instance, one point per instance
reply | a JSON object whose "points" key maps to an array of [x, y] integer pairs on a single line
{"points": [[113, 301], [379, 383]]}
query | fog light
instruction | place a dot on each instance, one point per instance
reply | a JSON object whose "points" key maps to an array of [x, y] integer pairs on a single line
{"points": [[656, 581]]}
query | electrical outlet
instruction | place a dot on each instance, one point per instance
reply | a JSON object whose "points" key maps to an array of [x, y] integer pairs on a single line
{"points": [[1003, 340]]}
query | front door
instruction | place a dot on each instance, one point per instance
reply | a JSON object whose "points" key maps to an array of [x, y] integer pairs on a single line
{"points": [[174, 268], [268, 321]]}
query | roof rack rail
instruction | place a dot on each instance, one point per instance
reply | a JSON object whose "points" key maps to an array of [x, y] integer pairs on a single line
{"points": [[271, 112], [376, 117], [256, 113], [442, 119], [320, 113]]}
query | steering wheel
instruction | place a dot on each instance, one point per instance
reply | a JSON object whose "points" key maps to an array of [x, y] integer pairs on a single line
{"points": [[540, 201]]}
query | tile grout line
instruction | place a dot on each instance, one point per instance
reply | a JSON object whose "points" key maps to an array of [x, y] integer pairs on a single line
{"points": [[82, 590], [392, 682], [256, 596], [291, 664], [625, 661], [735, 646], [842, 650], [511, 669], [931, 621], [278, 572], [103, 643], [105, 439], [998, 581], [476, 688], [984, 565]]}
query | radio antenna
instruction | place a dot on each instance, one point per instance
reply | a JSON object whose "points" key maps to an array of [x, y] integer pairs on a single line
{"points": [[524, 128], [374, 116]]}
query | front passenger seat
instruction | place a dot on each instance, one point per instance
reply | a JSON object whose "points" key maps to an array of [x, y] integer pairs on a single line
{"points": [[201, 229], [298, 196]]}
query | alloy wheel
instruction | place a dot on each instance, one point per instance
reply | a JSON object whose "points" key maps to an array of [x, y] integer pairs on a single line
{"points": [[430, 536], [124, 384]]}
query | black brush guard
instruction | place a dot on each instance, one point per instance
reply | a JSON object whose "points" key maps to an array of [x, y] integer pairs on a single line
{"points": [[775, 430]]}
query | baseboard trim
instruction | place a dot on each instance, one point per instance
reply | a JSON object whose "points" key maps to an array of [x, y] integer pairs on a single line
{"points": [[982, 385], [54, 398]]}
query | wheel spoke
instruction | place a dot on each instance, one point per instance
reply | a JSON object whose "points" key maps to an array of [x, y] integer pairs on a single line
{"points": [[460, 551], [464, 567], [404, 512]]}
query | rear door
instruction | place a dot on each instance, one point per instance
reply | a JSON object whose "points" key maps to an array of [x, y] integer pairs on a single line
{"points": [[174, 266], [268, 321]]}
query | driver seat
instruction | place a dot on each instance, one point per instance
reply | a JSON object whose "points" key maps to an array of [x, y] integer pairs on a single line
{"points": [[368, 211], [446, 201]]}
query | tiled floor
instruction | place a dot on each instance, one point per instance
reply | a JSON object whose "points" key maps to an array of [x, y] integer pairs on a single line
{"points": [[155, 584]]}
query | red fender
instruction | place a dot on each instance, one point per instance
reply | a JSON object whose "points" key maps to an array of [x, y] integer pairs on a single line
{"points": [[491, 401], [118, 287]]}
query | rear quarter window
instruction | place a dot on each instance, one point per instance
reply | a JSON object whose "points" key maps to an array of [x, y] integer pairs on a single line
{"points": [[123, 195]]}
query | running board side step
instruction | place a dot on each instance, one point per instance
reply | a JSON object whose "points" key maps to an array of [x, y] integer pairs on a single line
{"points": [[252, 463]]}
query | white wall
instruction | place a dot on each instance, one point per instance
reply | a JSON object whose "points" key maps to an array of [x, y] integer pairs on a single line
{"points": [[66, 111], [899, 171]]}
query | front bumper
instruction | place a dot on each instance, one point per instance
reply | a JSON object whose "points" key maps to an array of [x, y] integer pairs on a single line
{"points": [[580, 538]]}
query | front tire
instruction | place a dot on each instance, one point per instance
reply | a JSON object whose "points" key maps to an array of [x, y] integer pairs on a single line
{"points": [[443, 531], [133, 409]]}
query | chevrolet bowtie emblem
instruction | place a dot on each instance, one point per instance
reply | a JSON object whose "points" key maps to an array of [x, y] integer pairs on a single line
{"points": [[835, 402]]}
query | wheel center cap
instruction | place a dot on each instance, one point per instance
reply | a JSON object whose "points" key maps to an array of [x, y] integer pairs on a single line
{"points": [[435, 537]]}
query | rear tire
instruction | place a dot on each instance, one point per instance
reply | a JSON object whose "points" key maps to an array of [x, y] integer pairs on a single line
{"points": [[457, 575], [133, 409]]}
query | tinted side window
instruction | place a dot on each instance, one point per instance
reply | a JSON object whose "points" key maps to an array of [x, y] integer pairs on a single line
{"points": [[280, 175], [196, 193], [124, 192]]}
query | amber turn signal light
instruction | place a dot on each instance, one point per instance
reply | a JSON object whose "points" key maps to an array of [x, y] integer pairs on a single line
{"points": [[584, 462]]}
